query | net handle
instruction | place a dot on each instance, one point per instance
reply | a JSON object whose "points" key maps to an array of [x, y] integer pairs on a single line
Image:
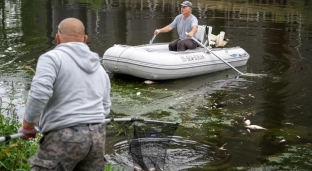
{"points": [[136, 119]]}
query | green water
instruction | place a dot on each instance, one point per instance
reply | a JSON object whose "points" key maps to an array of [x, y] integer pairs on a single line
{"points": [[210, 108]]}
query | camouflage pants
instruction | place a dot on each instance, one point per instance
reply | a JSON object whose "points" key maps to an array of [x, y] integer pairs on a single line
{"points": [[78, 148]]}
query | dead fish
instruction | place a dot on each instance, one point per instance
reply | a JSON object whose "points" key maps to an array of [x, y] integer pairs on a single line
{"points": [[247, 121], [222, 147], [149, 82], [255, 127], [136, 168]]}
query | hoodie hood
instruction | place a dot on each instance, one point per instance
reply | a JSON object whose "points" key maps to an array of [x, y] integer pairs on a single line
{"points": [[87, 60]]}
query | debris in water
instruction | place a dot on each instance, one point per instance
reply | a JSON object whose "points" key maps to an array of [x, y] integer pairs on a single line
{"points": [[255, 127], [10, 48], [282, 141], [30, 68], [149, 82], [248, 130], [138, 93], [298, 136], [288, 123], [251, 96]]}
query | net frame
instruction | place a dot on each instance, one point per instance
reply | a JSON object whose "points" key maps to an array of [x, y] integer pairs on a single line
{"points": [[148, 142]]}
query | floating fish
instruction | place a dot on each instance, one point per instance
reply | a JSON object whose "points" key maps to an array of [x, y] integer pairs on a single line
{"points": [[298, 137], [247, 121], [288, 123], [136, 168], [282, 141], [222, 147], [138, 93], [149, 82], [255, 127]]}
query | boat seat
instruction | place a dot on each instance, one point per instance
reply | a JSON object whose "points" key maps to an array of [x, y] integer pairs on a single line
{"points": [[202, 33]]}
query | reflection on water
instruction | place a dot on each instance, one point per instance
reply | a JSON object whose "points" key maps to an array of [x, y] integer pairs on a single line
{"points": [[14, 90], [276, 33]]}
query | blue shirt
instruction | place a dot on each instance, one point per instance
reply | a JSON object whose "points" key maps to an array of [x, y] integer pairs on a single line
{"points": [[184, 25]]}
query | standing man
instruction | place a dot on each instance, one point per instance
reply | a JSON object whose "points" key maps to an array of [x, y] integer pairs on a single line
{"points": [[185, 22], [70, 96]]}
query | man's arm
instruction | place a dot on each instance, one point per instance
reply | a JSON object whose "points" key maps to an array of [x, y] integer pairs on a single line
{"points": [[191, 33], [163, 30], [168, 27], [106, 100], [41, 90]]}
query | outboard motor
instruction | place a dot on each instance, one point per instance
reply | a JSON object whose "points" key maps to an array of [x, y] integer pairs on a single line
{"points": [[220, 40], [208, 39]]}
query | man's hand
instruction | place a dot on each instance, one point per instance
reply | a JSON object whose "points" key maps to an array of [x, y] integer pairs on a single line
{"points": [[157, 31], [29, 132], [28, 129], [190, 34]]}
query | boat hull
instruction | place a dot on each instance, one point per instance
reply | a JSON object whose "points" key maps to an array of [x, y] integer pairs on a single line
{"points": [[156, 62]]}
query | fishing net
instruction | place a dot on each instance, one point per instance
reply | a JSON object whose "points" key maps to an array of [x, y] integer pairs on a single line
{"points": [[148, 143]]}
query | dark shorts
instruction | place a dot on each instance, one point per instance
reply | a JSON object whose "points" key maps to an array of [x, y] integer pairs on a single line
{"points": [[78, 148]]}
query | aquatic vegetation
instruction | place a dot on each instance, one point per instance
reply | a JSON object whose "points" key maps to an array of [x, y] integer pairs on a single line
{"points": [[294, 158], [14, 153]]}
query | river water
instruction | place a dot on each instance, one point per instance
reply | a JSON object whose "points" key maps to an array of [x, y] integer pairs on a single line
{"points": [[210, 108]]}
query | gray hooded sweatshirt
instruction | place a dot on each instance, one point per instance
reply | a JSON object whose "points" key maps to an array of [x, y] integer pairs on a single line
{"points": [[69, 88]]}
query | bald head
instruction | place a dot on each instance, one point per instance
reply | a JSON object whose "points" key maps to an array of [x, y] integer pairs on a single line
{"points": [[71, 30]]}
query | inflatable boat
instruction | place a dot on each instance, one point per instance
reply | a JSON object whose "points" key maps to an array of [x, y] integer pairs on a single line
{"points": [[156, 62]]}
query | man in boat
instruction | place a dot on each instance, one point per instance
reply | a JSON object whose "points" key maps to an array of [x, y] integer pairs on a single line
{"points": [[185, 22], [70, 96]]}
